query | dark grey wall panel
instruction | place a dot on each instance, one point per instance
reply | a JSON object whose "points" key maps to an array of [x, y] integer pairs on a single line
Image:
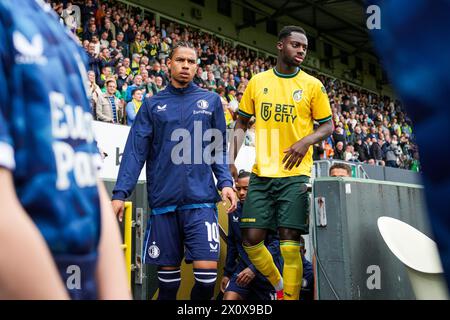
{"points": [[374, 172], [405, 176], [351, 242], [147, 289]]}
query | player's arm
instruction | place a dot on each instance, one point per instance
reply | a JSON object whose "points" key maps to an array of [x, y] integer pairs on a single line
{"points": [[321, 112], [111, 271], [219, 165], [134, 156], [245, 112], [27, 269]]}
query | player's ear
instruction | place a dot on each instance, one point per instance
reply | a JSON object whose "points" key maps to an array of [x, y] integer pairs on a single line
{"points": [[280, 45]]}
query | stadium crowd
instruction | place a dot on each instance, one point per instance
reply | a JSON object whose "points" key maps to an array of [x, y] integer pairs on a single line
{"points": [[127, 62]]}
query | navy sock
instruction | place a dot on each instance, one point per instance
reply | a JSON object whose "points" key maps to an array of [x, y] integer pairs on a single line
{"points": [[205, 281], [168, 283]]}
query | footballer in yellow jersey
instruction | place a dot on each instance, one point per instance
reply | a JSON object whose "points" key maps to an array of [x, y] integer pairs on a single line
{"points": [[285, 102], [285, 107]]}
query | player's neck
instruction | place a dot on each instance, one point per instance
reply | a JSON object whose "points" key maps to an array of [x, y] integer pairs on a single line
{"points": [[284, 69], [179, 85]]}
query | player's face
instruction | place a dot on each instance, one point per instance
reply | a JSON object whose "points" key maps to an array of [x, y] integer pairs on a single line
{"points": [[293, 49], [242, 188], [183, 65]]}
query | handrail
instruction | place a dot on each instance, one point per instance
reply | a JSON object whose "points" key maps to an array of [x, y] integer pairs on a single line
{"points": [[128, 213]]}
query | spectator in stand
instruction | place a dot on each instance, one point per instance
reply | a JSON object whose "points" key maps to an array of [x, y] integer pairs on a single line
{"points": [[375, 150], [95, 94], [122, 45], [111, 108], [137, 83], [134, 105], [361, 152], [339, 151], [357, 112]]}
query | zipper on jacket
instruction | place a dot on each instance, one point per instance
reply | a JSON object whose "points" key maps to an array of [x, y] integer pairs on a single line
{"points": [[183, 192]]}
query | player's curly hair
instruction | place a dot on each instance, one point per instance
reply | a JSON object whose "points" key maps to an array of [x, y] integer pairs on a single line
{"points": [[243, 174], [182, 44]]}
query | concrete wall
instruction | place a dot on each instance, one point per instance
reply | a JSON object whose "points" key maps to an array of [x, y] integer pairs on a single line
{"points": [[350, 242]]}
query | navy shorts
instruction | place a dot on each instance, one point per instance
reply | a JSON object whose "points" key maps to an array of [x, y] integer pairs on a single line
{"points": [[78, 274], [257, 289], [190, 233]]}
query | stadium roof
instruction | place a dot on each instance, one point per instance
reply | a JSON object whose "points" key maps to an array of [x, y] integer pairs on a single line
{"points": [[344, 20]]}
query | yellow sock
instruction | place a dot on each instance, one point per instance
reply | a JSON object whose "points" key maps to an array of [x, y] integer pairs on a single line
{"points": [[261, 258], [292, 270]]}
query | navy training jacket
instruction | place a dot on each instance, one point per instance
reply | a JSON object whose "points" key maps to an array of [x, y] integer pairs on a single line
{"points": [[154, 139]]}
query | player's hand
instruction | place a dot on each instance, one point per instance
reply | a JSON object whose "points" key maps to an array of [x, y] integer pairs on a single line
{"points": [[245, 277], [294, 154], [233, 171], [228, 193], [118, 208], [224, 283]]}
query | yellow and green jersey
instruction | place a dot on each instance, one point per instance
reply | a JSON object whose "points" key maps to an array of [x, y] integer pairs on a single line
{"points": [[285, 107]]}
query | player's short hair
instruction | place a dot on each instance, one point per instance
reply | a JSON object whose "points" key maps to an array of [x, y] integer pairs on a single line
{"points": [[182, 44], [343, 166], [287, 31], [243, 174]]}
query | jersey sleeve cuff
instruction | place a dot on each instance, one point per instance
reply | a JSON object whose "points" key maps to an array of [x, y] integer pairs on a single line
{"points": [[323, 120], [224, 184], [244, 114], [119, 195], [7, 156]]}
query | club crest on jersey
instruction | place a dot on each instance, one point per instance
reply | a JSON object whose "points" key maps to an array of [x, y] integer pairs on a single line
{"points": [[202, 104], [265, 111], [297, 95], [153, 251], [29, 52]]}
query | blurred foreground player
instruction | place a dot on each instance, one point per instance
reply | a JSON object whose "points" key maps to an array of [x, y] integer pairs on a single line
{"points": [[48, 165], [422, 79], [285, 101]]}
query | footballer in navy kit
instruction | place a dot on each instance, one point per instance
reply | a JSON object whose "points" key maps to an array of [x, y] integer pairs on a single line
{"points": [[180, 133], [47, 145]]}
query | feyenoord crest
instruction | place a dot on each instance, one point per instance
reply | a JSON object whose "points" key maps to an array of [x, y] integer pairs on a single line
{"points": [[265, 111], [202, 104], [153, 251], [297, 95]]}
